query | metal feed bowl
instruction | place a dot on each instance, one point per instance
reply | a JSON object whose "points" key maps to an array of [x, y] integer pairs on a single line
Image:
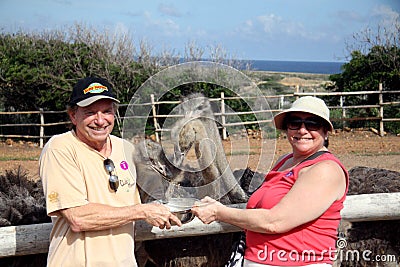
{"points": [[181, 208]]}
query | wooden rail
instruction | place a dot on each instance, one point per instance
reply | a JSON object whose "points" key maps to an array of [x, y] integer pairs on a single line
{"points": [[281, 99], [34, 239]]}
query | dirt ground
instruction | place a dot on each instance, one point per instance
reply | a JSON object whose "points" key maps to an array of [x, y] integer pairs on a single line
{"points": [[355, 148]]}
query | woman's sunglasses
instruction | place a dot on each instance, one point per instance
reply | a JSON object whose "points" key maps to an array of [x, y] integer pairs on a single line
{"points": [[113, 180], [311, 124]]}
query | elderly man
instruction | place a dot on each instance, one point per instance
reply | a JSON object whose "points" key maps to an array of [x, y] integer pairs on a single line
{"points": [[90, 187]]}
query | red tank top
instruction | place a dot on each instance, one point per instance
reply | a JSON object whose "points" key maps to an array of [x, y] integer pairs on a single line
{"points": [[313, 242]]}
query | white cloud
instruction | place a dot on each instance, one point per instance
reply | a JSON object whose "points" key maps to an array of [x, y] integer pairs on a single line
{"points": [[170, 27], [349, 16], [269, 22], [386, 15], [161, 26], [129, 13], [276, 27], [169, 10]]}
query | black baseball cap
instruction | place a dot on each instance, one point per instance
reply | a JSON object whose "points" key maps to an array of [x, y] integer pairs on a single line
{"points": [[90, 89]]}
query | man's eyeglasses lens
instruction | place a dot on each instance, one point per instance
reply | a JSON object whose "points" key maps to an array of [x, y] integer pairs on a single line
{"points": [[310, 124], [113, 180]]}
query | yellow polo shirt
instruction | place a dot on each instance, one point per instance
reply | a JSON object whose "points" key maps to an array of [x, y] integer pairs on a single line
{"points": [[73, 175]]}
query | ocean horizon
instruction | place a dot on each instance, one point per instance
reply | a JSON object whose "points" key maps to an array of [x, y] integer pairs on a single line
{"points": [[315, 67]]}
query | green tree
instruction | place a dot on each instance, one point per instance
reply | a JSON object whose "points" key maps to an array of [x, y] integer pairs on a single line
{"points": [[376, 60], [38, 70]]}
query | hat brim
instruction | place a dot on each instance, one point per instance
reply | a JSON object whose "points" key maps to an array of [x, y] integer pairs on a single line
{"points": [[91, 100], [279, 118]]}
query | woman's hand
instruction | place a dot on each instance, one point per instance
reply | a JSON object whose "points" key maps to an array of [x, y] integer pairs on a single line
{"points": [[207, 210]]}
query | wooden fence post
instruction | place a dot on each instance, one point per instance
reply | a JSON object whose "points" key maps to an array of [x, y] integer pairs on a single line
{"points": [[223, 120], [41, 131], [381, 130], [154, 111], [343, 111], [281, 102]]}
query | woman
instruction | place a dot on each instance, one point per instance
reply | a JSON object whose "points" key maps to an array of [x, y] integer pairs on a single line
{"points": [[292, 219]]}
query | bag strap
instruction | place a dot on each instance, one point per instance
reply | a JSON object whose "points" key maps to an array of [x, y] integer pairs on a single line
{"points": [[315, 155]]}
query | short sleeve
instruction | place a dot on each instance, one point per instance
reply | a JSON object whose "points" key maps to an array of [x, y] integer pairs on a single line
{"points": [[63, 184]]}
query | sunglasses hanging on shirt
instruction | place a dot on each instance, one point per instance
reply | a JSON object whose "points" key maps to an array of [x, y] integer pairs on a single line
{"points": [[113, 179]]}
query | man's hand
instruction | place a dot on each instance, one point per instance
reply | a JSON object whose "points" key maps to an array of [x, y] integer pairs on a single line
{"points": [[159, 215]]}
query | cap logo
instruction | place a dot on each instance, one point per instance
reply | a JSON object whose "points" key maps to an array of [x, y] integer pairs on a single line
{"points": [[95, 88]]}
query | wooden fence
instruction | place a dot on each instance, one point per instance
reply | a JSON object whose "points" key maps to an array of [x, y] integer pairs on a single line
{"points": [[34, 239], [279, 99]]}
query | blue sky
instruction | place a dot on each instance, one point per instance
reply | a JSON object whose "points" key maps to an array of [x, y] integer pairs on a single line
{"points": [[299, 30]]}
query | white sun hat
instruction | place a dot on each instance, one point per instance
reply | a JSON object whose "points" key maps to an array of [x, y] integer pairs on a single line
{"points": [[308, 104]]}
